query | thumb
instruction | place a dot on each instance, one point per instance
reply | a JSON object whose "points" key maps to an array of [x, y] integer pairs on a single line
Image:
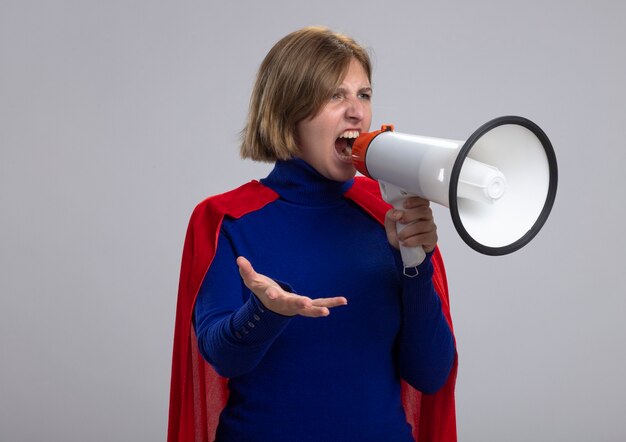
{"points": [[391, 228], [245, 269]]}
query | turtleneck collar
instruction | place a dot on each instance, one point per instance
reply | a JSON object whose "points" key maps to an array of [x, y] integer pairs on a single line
{"points": [[297, 182]]}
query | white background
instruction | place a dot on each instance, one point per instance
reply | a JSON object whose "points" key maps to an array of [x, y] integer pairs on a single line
{"points": [[117, 117]]}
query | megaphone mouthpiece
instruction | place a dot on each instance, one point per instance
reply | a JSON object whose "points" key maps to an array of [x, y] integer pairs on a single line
{"points": [[360, 146]]}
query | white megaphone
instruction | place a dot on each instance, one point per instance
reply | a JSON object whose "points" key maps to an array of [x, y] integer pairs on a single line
{"points": [[500, 184]]}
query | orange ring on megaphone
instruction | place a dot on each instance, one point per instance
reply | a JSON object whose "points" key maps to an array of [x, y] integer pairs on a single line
{"points": [[360, 146]]}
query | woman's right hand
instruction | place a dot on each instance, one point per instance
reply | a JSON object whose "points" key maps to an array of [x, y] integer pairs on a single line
{"points": [[280, 301]]}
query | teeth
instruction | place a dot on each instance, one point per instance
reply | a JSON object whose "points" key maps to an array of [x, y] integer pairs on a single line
{"points": [[350, 134], [346, 154]]}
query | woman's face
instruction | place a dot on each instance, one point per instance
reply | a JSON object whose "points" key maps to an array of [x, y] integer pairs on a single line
{"points": [[324, 140]]}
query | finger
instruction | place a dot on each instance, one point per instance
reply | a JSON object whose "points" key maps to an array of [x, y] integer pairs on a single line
{"points": [[415, 201], [312, 308], [419, 213], [416, 229], [426, 240], [301, 302], [330, 302], [314, 312], [420, 239], [304, 306], [321, 306], [289, 301]]}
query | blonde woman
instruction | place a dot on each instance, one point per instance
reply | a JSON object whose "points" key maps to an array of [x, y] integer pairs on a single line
{"points": [[295, 321]]}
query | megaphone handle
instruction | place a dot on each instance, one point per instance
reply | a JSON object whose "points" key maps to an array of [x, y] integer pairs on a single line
{"points": [[411, 256]]}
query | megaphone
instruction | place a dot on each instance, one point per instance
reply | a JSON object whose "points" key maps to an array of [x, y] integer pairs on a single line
{"points": [[500, 184]]}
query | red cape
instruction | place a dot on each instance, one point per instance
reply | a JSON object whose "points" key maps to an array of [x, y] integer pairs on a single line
{"points": [[198, 394]]}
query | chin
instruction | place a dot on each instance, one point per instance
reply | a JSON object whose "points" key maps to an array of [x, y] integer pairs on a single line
{"points": [[343, 174]]}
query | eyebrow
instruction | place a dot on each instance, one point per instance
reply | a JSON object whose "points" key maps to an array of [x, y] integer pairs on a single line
{"points": [[363, 89]]}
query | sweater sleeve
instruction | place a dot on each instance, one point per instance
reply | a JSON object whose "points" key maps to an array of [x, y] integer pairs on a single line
{"points": [[426, 349], [233, 328]]}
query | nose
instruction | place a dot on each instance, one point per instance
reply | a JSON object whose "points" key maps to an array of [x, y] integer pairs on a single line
{"points": [[356, 109]]}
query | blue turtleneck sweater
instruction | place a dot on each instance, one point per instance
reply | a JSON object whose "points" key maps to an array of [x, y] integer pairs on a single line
{"points": [[335, 378]]}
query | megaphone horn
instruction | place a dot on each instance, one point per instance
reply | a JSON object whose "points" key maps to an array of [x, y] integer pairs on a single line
{"points": [[500, 184]]}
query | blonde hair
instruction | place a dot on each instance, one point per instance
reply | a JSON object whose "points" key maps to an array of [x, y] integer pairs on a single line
{"points": [[295, 80]]}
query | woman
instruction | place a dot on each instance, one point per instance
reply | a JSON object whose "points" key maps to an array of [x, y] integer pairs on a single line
{"points": [[295, 286]]}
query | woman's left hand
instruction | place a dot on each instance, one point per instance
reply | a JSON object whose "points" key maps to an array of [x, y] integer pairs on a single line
{"points": [[420, 229]]}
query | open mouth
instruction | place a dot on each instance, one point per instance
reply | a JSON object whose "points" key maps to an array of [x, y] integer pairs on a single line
{"points": [[343, 144]]}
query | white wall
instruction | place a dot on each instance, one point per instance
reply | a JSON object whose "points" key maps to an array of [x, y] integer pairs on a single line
{"points": [[117, 117]]}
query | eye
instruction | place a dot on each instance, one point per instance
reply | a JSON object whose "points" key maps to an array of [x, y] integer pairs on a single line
{"points": [[365, 94], [336, 96]]}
